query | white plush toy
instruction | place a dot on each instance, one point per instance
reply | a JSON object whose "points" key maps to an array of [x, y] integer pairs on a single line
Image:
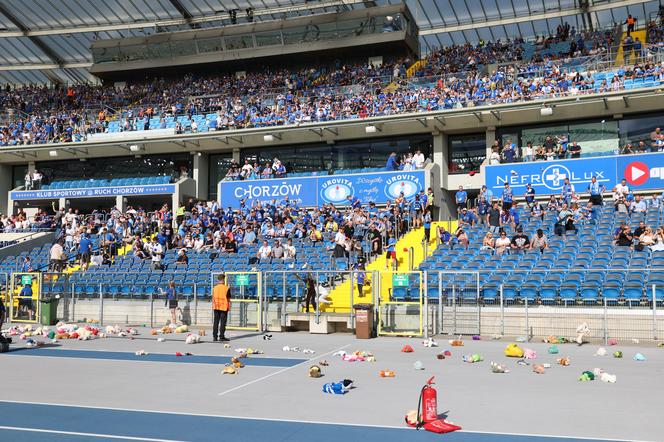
{"points": [[582, 331], [192, 339]]}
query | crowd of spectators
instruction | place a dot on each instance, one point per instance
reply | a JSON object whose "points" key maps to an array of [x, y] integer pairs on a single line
{"points": [[280, 97], [501, 214], [559, 147], [351, 232]]}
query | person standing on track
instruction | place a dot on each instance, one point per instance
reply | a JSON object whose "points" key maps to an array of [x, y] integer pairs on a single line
{"points": [[221, 305], [172, 300], [310, 285]]}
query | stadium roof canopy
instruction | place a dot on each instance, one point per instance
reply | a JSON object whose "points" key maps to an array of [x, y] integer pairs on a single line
{"points": [[44, 41]]}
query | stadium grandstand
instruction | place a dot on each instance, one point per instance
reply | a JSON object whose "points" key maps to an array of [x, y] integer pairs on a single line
{"points": [[398, 170]]}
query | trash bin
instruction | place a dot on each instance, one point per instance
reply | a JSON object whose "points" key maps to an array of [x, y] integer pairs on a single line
{"points": [[49, 311], [363, 321]]}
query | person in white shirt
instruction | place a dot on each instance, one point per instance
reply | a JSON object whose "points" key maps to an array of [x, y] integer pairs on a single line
{"points": [[56, 254], [70, 218], [156, 250], [199, 243], [418, 159], [529, 153], [246, 169], [494, 158], [70, 231], [622, 188], [289, 250], [265, 251], [36, 179], [28, 181]]}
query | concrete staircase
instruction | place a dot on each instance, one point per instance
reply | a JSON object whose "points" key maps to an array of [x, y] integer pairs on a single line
{"points": [[620, 57], [341, 294]]}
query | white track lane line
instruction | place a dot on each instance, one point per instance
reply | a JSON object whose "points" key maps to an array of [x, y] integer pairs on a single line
{"points": [[298, 421], [281, 371], [75, 433]]}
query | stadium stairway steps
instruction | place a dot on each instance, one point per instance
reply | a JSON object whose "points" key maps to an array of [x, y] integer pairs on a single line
{"points": [[415, 67], [412, 70], [340, 295], [641, 34], [121, 251]]}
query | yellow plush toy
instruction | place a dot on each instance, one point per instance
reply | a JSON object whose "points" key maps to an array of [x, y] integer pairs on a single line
{"points": [[513, 351], [182, 329]]}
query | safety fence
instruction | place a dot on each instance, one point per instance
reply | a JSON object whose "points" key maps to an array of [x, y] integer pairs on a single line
{"points": [[413, 303]]}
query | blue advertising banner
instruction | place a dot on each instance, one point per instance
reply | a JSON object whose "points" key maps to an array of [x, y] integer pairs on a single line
{"points": [[318, 190], [548, 177], [642, 172], [93, 192]]}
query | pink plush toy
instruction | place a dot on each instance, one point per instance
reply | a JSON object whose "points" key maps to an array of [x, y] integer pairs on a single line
{"points": [[529, 354]]}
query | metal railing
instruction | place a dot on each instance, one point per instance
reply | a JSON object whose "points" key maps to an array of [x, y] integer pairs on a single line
{"points": [[459, 302]]}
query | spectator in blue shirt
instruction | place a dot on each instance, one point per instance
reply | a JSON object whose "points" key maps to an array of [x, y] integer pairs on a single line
{"points": [[354, 201], [567, 191], [445, 237], [507, 197], [427, 226], [468, 217], [25, 301], [84, 251], [461, 199], [482, 209], [514, 216], [486, 193], [530, 195], [596, 190], [392, 162], [26, 266]]}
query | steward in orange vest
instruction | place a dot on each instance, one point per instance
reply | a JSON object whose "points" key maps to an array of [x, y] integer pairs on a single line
{"points": [[221, 305]]}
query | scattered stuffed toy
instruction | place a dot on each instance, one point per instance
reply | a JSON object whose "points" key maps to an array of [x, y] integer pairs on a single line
{"points": [[141, 353], [612, 341], [315, 371], [418, 365], [192, 339], [472, 358], [563, 361], [581, 332], [600, 352], [407, 349], [341, 387], [228, 370], [617, 354], [429, 343], [386, 374], [236, 362], [604, 376], [529, 354], [31, 343], [182, 329], [639, 357], [553, 350], [497, 368], [513, 351], [587, 376], [456, 342], [539, 369]]}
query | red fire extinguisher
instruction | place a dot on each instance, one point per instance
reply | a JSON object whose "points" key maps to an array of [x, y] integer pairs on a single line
{"points": [[428, 403], [427, 412]]}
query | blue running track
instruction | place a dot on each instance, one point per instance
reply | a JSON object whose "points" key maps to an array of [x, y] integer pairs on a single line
{"points": [[23, 422], [255, 361]]}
